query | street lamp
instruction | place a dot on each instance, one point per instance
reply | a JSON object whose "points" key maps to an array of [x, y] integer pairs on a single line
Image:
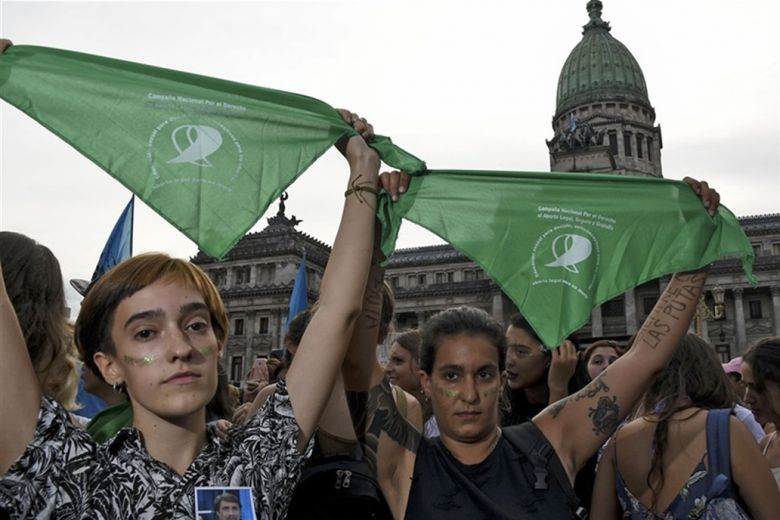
{"points": [[703, 311]]}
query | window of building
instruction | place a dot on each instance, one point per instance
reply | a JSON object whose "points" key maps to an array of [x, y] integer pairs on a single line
{"points": [[421, 279], [468, 275], [395, 282], [627, 144], [613, 142], [236, 369], [450, 276], [411, 281], [242, 274], [756, 249], [649, 149], [614, 308], [219, 276], [776, 248], [441, 277], [479, 274], [755, 309], [238, 327], [263, 325], [639, 142]]}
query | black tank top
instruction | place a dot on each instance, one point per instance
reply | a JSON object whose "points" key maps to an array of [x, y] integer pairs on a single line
{"points": [[499, 488]]}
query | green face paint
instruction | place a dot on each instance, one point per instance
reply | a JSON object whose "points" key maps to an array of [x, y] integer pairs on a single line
{"points": [[452, 393], [145, 361], [206, 352]]}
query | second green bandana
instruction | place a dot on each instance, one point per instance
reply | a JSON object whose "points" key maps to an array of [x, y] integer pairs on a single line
{"points": [[561, 243]]}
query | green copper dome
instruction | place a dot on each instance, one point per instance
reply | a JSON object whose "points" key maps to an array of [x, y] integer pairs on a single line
{"points": [[599, 67]]}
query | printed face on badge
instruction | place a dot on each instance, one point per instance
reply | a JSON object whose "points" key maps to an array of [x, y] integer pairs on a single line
{"points": [[464, 386], [165, 351]]}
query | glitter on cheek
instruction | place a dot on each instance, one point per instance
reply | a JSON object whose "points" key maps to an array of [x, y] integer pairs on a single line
{"points": [[145, 361]]}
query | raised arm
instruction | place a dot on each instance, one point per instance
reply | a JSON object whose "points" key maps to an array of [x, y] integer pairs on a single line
{"points": [[579, 424], [388, 437], [321, 351], [20, 393]]}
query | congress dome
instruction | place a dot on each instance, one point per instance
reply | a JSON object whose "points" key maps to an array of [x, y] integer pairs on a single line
{"points": [[599, 67]]}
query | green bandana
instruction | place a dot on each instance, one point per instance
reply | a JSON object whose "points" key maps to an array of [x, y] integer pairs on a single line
{"points": [[210, 155]]}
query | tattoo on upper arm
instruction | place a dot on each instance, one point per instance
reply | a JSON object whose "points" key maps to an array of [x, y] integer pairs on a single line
{"points": [[372, 301], [589, 392], [605, 416], [374, 412], [556, 408]]}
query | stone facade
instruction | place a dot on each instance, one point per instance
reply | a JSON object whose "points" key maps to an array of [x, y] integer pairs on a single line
{"points": [[429, 279], [610, 136], [255, 280]]}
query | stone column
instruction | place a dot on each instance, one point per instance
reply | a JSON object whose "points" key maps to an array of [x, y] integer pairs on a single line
{"points": [[739, 320], [629, 305], [420, 319], [278, 316], [705, 330], [249, 333], [253, 276], [498, 306], [620, 148], [776, 308], [228, 277], [597, 327]]}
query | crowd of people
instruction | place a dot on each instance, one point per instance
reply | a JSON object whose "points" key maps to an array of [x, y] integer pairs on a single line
{"points": [[469, 418]]}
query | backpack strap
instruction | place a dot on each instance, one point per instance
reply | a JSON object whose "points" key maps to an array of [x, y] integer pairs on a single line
{"points": [[718, 452], [531, 442]]}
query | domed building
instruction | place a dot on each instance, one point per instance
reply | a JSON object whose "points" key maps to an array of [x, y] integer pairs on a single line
{"points": [[604, 123], [603, 120]]}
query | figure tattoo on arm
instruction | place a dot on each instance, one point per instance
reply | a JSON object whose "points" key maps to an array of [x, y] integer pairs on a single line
{"points": [[374, 412], [605, 416], [556, 408]]}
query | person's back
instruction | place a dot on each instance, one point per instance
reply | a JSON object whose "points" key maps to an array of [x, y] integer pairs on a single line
{"points": [[683, 465], [666, 463]]}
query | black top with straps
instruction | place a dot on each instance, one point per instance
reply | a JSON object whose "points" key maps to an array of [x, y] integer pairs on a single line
{"points": [[522, 478]]}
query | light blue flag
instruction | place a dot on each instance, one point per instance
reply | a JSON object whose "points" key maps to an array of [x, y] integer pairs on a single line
{"points": [[119, 245], [299, 300]]}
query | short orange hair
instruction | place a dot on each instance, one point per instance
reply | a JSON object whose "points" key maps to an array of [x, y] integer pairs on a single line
{"points": [[93, 326]]}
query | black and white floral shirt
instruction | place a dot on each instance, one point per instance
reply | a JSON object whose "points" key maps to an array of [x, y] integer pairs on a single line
{"points": [[63, 474]]}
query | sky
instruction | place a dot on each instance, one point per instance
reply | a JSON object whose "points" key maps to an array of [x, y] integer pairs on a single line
{"points": [[461, 84]]}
